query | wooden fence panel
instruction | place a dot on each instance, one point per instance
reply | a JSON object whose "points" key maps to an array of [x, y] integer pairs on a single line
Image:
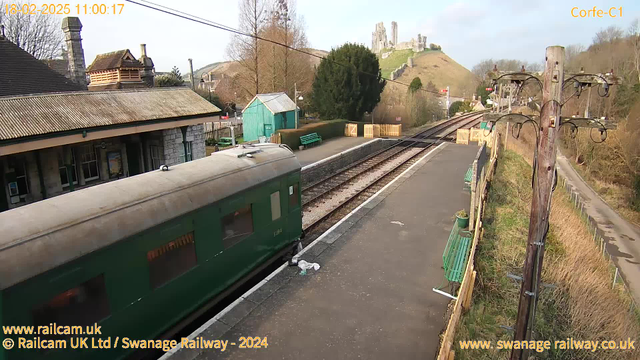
{"points": [[351, 130], [371, 131], [390, 130], [462, 136]]}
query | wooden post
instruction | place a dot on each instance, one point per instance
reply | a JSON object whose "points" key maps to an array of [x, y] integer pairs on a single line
{"points": [[466, 304], [541, 200], [506, 137], [474, 185]]}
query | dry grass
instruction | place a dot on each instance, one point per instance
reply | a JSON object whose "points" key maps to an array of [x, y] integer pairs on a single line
{"points": [[582, 305]]}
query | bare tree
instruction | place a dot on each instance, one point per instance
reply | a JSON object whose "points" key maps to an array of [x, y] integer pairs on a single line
{"points": [[571, 52], [245, 49], [486, 66], [608, 35], [38, 34], [285, 66], [482, 68]]}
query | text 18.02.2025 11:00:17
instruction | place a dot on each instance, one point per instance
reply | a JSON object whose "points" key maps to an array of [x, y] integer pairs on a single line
{"points": [[63, 9]]}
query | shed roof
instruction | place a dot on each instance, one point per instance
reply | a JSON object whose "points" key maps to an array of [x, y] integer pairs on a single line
{"points": [[40, 114], [114, 60], [275, 102], [21, 73]]}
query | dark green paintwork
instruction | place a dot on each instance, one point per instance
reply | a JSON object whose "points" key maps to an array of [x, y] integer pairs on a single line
{"points": [[138, 312]]}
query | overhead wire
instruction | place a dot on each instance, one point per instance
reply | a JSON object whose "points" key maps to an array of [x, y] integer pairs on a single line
{"points": [[190, 17]]}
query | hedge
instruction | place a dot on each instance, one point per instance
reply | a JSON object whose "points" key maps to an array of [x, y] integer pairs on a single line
{"points": [[326, 130]]}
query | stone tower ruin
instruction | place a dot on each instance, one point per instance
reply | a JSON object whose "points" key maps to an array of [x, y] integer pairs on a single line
{"points": [[379, 38], [394, 33]]}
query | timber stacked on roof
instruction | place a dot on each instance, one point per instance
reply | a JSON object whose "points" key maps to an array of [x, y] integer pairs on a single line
{"points": [[115, 70]]}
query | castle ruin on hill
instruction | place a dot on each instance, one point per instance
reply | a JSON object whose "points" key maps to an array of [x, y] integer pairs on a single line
{"points": [[379, 40]]}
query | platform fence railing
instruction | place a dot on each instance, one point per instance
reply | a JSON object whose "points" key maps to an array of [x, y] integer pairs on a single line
{"points": [[484, 168]]}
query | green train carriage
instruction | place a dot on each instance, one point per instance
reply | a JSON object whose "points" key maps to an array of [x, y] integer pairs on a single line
{"points": [[139, 255]]}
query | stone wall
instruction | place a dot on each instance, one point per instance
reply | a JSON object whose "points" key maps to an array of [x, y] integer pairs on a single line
{"points": [[328, 167], [174, 148], [398, 72]]}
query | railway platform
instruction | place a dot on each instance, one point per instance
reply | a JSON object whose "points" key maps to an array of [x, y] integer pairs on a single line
{"points": [[328, 148], [371, 297]]}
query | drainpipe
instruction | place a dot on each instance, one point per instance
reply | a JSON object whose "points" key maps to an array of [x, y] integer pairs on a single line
{"points": [[184, 141], [43, 189]]}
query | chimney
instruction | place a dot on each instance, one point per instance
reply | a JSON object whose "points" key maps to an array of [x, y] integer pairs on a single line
{"points": [[148, 73], [71, 26]]}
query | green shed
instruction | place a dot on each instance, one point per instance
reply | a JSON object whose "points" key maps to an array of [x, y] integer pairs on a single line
{"points": [[266, 114]]}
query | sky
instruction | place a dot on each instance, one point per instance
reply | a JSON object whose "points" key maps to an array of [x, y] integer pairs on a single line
{"points": [[468, 31]]}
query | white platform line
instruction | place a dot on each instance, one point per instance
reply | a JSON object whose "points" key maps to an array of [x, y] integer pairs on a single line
{"points": [[338, 154], [204, 326]]}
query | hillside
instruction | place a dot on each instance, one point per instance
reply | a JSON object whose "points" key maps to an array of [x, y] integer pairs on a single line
{"points": [[314, 60], [395, 60], [440, 69], [231, 68]]}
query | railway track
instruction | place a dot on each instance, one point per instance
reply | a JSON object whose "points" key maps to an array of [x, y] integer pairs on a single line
{"points": [[328, 200], [383, 166]]}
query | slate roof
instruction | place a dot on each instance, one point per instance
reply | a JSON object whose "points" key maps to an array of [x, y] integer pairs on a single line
{"points": [[114, 60], [61, 66], [21, 73], [275, 102], [40, 114]]}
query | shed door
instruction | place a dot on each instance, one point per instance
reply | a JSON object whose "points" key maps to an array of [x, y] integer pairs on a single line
{"points": [[268, 130]]}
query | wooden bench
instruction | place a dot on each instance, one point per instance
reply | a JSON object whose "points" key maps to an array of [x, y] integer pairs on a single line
{"points": [[310, 139], [456, 253], [467, 178], [225, 141]]}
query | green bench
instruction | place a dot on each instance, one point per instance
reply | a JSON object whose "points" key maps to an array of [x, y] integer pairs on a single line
{"points": [[225, 141], [456, 253], [467, 178], [309, 139]]}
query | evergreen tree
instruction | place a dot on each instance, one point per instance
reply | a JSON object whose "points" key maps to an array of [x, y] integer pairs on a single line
{"points": [[174, 78], [416, 84], [347, 83]]}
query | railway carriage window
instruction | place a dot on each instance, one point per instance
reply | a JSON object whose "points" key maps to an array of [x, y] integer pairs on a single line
{"points": [[275, 206], [171, 260], [293, 196], [236, 226], [82, 305]]}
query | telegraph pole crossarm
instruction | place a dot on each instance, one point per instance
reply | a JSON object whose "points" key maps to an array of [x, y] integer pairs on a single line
{"points": [[510, 117]]}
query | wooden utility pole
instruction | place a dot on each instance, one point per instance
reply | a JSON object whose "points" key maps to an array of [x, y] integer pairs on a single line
{"points": [[542, 189]]}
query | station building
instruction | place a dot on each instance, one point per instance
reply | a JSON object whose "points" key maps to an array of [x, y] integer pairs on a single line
{"points": [[56, 136]]}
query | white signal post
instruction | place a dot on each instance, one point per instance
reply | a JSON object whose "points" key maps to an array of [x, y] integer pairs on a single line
{"points": [[296, 98], [447, 91]]}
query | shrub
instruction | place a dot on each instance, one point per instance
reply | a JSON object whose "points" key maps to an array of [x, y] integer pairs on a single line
{"points": [[326, 130], [210, 142]]}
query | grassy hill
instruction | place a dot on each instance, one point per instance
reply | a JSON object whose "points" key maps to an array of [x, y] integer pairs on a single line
{"points": [[430, 66], [394, 61], [441, 70]]}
